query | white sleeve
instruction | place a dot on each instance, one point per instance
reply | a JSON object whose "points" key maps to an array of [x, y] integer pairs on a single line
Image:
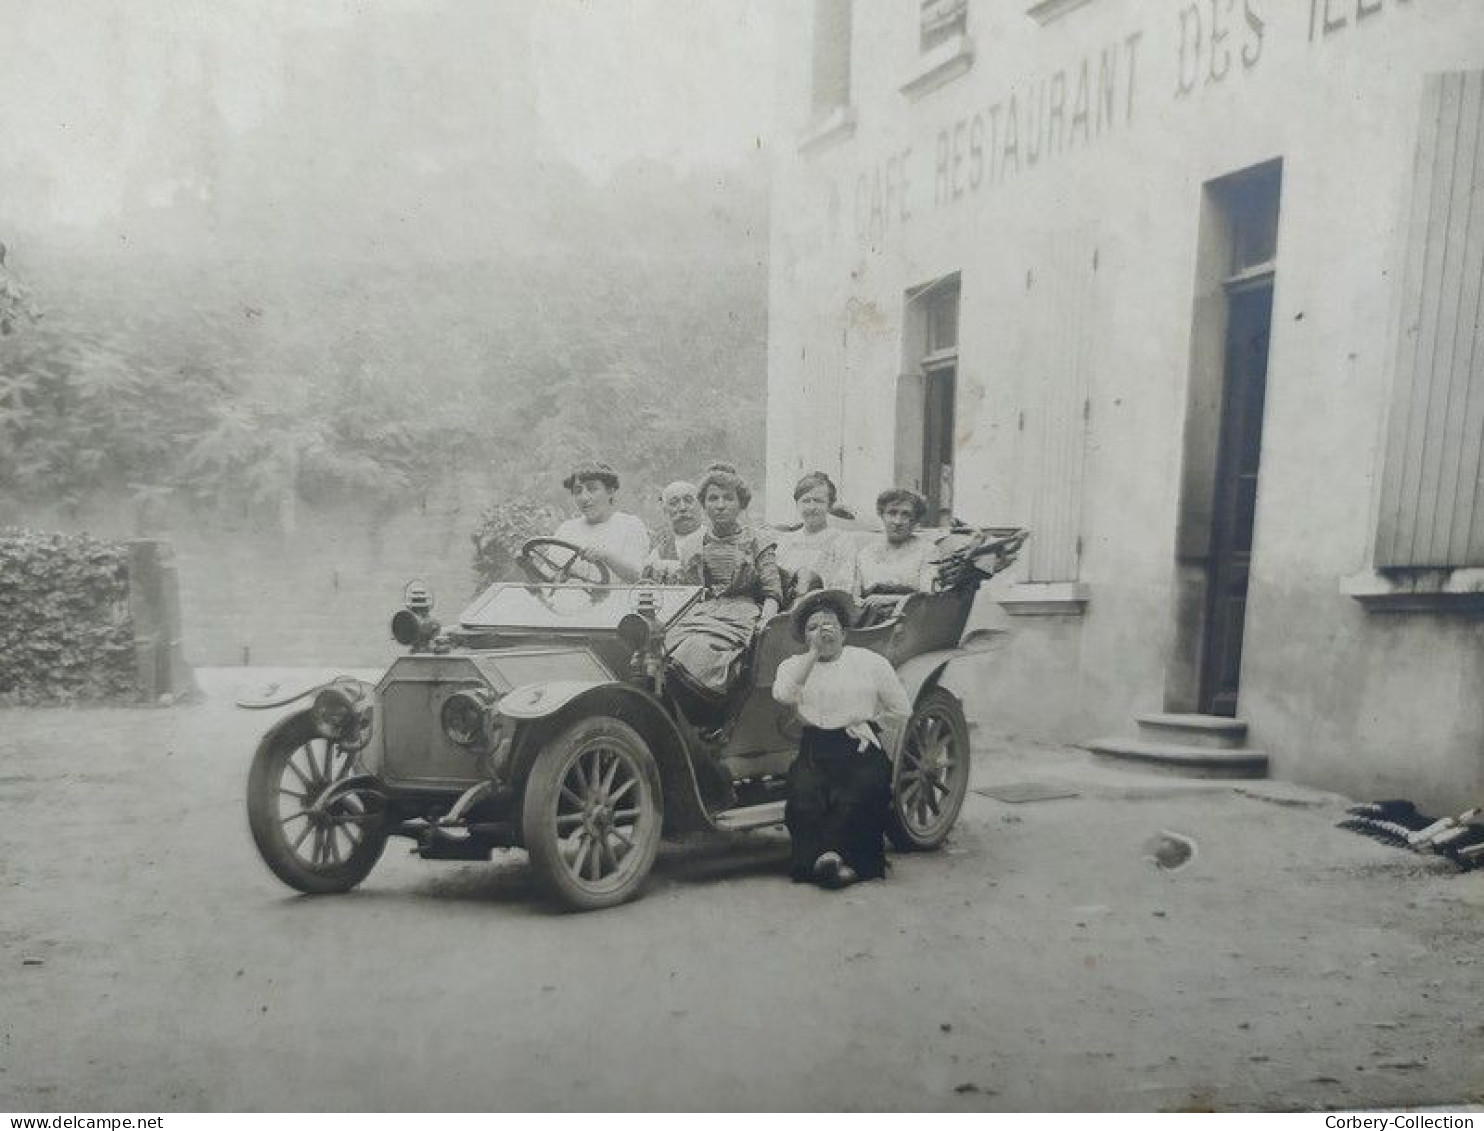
{"points": [[633, 545], [787, 686], [570, 530], [891, 696]]}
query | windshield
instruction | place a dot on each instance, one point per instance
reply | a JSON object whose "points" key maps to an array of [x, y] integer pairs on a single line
{"points": [[570, 606]]}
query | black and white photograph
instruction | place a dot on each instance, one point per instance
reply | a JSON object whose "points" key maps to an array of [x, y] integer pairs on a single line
{"points": [[832, 556]]}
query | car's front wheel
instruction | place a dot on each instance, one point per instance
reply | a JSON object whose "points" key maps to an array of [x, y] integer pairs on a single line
{"points": [[592, 814], [932, 774], [318, 849]]}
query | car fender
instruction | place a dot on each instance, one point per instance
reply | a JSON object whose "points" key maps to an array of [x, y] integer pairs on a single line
{"points": [[922, 672], [271, 734], [546, 708], [542, 700], [274, 695]]}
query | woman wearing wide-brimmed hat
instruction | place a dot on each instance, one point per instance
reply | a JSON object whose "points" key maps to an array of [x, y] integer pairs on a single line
{"points": [[839, 786]]}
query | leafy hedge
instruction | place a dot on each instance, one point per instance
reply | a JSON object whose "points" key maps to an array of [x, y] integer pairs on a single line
{"points": [[503, 529], [64, 605]]}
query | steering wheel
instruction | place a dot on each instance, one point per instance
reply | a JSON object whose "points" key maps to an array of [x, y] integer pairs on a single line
{"points": [[551, 561]]}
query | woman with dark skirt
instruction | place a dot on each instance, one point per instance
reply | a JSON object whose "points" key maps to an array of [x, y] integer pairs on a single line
{"points": [[839, 787]]}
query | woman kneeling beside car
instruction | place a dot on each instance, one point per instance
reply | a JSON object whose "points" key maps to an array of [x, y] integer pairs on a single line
{"points": [[839, 787]]}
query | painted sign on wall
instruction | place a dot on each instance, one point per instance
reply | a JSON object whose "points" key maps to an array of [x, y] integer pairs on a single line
{"points": [[1206, 43]]}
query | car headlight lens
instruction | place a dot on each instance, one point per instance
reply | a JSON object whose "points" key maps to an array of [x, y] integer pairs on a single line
{"points": [[467, 716], [343, 712], [332, 711]]}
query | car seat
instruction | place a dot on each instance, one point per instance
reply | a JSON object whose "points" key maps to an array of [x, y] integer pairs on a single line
{"points": [[792, 590]]}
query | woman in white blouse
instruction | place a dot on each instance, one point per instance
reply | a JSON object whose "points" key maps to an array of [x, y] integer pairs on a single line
{"points": [[818, 555], [898, 563], [839, 786]]}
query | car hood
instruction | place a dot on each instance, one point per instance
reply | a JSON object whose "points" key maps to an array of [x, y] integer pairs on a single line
{"points": [[503, 669]]}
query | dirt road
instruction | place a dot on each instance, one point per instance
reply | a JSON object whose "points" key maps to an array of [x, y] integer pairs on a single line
{"points": [[149, 961]]}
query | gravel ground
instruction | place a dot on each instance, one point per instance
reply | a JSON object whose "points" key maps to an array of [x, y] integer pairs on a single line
{"points": [[149, 961]]}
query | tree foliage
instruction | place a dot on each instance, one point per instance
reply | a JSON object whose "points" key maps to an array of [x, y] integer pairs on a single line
{"points": [[503, 528], [634, 331]]}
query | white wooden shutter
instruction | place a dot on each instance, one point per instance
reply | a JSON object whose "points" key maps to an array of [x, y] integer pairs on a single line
{"points": [[1056, 403], [1432, 485]]}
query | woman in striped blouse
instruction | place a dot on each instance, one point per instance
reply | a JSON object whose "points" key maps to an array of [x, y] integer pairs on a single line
{"points": [[738, 568]]}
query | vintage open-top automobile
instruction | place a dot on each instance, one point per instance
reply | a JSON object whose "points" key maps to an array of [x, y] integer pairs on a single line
{"points": [[541, 720]]}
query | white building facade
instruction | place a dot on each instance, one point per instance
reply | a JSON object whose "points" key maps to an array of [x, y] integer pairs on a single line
{"points": [[1193, 291]]}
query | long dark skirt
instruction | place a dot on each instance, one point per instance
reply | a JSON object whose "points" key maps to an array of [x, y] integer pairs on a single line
{"points": [[837, 802]]}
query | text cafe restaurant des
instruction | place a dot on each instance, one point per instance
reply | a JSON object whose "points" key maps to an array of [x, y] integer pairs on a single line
{"points": [[1192, 290]]}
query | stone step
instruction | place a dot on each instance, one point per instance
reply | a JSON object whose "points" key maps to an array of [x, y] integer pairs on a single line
{"points": [[1216, 732], [1191, 761]]}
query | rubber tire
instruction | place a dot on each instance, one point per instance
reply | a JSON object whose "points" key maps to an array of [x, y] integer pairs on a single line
{"points": [[898, 831], [267, 831], [539, 805]]}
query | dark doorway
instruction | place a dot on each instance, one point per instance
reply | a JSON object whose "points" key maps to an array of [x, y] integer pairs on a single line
{"points": [[926, 394], [937, 448], [940, 390], [1236, 265], [1249, 322]]}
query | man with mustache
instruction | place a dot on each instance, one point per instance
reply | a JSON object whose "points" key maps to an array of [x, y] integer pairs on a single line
{"points": [[679, 544]]}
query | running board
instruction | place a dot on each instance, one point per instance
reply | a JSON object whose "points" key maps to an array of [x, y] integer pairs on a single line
{"points": [[763, 816]]}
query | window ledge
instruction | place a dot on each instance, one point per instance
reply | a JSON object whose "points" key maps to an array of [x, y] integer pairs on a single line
{"points": [[939, 65], [1046, 598], [827, 130], [1044, 11], [1417, 590]]}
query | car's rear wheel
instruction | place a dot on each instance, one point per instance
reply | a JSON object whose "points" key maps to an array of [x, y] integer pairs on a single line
{"points": [[321, 851], [932, 775], [592, 814]]}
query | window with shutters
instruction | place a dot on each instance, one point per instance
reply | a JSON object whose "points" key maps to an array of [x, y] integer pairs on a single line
{"points": [[1044, 11], [830, 88], [944, 47], [1431, 512], [1056, 401], [1052, 386], [831, 117], [942, 20]]}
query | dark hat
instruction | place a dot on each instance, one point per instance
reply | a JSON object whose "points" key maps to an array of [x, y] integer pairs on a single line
{"points": [[841, 603], [592, 469]]}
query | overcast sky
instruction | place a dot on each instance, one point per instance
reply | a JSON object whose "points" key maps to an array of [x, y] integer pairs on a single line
{"points": [[688, 80], [81, 83]]}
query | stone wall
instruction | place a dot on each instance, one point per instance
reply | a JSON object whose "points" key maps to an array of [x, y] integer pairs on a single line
{"points": [[320, 594]]}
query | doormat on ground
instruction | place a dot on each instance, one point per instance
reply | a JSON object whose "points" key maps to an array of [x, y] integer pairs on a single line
{"points": [[1016, 792]]}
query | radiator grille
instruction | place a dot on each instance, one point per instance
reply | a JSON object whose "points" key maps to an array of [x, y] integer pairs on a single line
{"points": [[417, 750]]}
